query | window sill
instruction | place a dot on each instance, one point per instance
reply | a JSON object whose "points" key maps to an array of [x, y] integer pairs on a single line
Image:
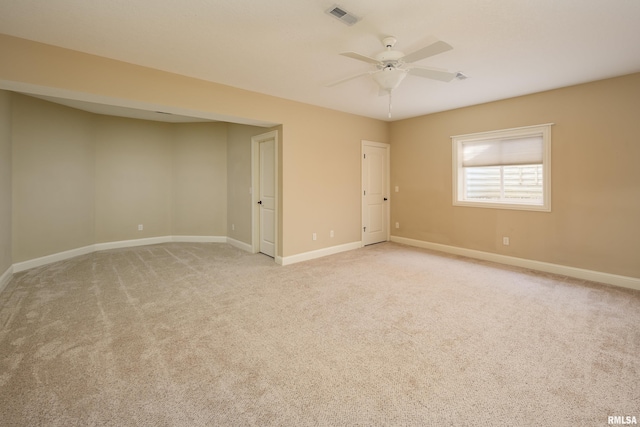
{"points": [[509, 206]]}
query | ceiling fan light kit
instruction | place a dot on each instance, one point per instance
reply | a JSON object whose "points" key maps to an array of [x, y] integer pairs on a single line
{"points": [[392, 66], [390, 78]]}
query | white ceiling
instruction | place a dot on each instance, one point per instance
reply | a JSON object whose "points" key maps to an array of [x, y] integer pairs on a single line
{"points": [[290, 48]]}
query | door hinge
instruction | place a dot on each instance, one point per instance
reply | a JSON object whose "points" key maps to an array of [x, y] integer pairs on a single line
{"points": [[364, 229], [364, 193], [365, 156]]}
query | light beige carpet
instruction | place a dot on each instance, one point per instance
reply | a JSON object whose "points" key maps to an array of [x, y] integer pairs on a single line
{"points": [[205, 334]]}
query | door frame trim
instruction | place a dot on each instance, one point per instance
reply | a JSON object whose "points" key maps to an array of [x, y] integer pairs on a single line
{"points": [[255, 193], [364, 143]]}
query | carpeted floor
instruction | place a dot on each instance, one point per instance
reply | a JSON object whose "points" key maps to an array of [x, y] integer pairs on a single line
{"points": [[207, 335]]}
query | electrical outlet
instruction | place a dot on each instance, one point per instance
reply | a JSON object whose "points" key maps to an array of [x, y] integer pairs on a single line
{"points": [[505, 241], [331, 233], [397, 189], [314, 236], [233, 227], [397, 225], [140, 227]]}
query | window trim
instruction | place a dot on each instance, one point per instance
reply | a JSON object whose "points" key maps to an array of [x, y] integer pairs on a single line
{"points": [[520, 132]]}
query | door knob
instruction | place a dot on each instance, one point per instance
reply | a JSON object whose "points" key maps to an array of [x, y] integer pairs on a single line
{"points": [[385, 199], [260, 202]]}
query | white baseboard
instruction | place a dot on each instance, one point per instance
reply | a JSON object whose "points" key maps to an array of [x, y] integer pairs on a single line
{"points": [[6, 276], [199, 239], [131, 243], [61, 256], [306, 256], [156, 240], [240, 245], [596, 276], [48, 259], [579, 273]]}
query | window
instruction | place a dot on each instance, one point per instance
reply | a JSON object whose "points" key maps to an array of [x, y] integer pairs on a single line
{"points": [[507, 169]]}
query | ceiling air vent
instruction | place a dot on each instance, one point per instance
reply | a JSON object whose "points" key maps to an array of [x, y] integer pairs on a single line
{"points": [[342, 15]]}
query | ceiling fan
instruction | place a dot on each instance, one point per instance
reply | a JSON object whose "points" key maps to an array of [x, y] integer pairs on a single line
{"points": [[392, 66]]}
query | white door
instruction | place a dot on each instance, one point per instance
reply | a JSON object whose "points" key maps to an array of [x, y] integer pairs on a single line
{"points": [[375, 192], [267, 197]]}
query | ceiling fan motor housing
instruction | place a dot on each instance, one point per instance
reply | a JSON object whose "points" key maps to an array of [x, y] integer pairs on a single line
{"points": [[390, 56]]}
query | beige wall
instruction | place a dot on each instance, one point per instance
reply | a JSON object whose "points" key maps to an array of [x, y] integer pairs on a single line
{"points": [[323, 180], [133, 165], [594, 223], [171, 178], [200, 200], [319, 147], [52, 178], [81, 178], [595, 192], [5, 182]]}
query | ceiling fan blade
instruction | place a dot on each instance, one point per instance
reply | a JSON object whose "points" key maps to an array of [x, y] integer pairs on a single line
{"points": [[443, 76], [427, 51], [360, 57], [349, 78]]}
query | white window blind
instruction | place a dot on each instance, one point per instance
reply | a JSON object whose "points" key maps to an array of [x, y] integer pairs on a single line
{"points": [[502, 152]]}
